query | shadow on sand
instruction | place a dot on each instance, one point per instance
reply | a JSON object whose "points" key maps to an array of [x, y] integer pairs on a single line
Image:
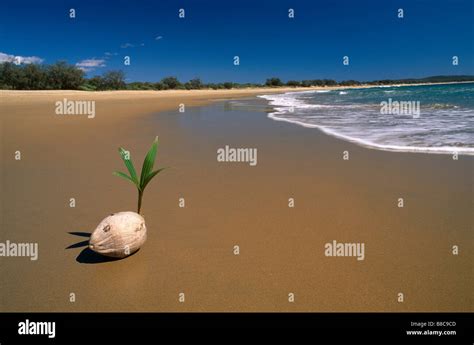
{"points": [[88, 256]]}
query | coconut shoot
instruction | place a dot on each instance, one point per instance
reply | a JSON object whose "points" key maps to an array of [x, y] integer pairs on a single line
{"points": [[147, 172]]}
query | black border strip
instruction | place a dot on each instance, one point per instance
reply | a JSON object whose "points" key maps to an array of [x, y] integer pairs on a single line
{"points": [[238, 328]]}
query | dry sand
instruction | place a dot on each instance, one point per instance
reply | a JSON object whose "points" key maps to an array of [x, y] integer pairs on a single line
{"points": [[190, 249]]}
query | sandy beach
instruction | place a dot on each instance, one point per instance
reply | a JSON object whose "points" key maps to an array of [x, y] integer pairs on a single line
{"points": [[190, 250]]}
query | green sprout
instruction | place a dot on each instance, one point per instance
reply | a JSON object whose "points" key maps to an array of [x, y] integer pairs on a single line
{"points": [[147, 170]]}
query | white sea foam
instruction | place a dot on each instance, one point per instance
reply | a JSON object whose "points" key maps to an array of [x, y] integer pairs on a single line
{"points": [[363, 125]]}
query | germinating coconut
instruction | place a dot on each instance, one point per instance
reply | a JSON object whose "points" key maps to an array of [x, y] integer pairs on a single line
{"points": [[119, 235]]}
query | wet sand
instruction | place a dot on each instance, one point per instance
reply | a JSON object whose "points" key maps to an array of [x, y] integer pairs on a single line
{"points": [[190, 250]]}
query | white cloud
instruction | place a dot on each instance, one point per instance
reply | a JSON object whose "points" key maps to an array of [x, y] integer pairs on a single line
{"points": [[157, 38], [19, 59], [108, 55], [127, 45], [90, 64]]}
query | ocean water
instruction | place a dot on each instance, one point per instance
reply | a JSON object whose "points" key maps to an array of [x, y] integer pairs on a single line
{"points": [[370, 116]]}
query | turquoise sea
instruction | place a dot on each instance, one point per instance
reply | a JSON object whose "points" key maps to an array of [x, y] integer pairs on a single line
{"points": [[433, 118]]}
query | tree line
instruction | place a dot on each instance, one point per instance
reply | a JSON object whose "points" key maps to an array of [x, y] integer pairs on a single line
{"points": [[62, 76]]}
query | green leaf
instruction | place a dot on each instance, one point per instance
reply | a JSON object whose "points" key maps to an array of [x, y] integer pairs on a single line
{"points": [[150, 176], [129, 165], [146, 174], [148, 163], [125, 176]]}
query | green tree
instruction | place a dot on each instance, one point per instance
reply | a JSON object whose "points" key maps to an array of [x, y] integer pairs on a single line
{"points": [[170, 83], [61, 76], [195, 84], [114, 80], [97, 83], [158, 86], [34, 77], [293, 83], [12, 76], [272, 82], [349, 83], [329, 82]]}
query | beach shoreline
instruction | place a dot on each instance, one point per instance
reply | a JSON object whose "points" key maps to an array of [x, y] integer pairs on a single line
{"points": [[191, 250], [168, 99]]}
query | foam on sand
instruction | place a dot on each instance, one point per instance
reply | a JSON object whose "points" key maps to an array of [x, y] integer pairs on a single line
{"points": [[356, 117]]}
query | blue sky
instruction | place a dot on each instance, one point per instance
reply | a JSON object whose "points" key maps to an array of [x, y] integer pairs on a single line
{"points": [[268, 43]]}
